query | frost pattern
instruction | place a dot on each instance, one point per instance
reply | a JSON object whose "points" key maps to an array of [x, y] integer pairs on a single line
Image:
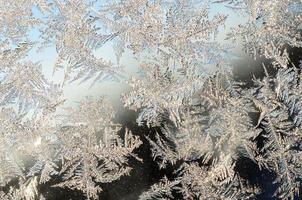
{"points": [[186, 92]]}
